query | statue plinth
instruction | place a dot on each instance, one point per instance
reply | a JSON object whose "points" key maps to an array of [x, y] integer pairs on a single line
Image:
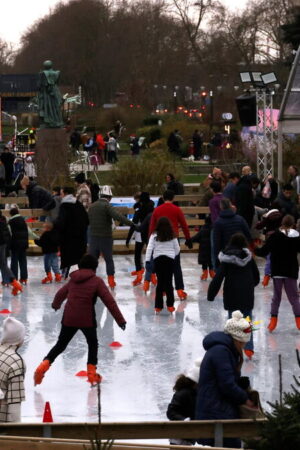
{"points": [[51, 157]]}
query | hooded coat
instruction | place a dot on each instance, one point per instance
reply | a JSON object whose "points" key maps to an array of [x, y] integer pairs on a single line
{"points": [[81, 293], [241, 275], [39, 197], [219, 394], [244, 199]]}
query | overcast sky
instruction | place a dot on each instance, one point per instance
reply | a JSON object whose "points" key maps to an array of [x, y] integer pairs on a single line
{"points": [[17, 15]]}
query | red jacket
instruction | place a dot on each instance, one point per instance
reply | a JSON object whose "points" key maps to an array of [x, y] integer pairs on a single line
{"points": [[100, 142], [82, 292], [174, 214]]}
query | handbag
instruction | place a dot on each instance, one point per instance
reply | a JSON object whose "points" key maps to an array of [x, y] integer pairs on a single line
{"points": [[252, 413]]}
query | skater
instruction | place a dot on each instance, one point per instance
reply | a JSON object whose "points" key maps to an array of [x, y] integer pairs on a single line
{"points": [[144, 207], [81, 293], [71, 224], [182, 406], [19, 245], [176, 217], [101, 216], [203, 237], [219, 394], [8, 277], [164, 248], [283, 246], [240, 274], [83, 193], [12, 371], [49, 243]]}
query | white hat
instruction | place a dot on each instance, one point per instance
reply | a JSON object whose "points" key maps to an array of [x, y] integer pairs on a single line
{"points": [[106, 190], [238, 327], [13, 332], [193, 372]]}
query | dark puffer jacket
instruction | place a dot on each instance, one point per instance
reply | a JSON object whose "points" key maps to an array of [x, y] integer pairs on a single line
{"points": [[219, 394], [39, 197], [82, 292], [244, 199], [203, 238], [241, 275], [19, 233], [225, 226], [182, 404]]}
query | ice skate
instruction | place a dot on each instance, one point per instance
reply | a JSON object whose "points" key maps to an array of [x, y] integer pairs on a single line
{"points": [[212, 273], [297, 320], [157, 310], [181, 294], [153, 279], [111, 281], [16, 287], [171, 309], [24, 282], [146, 286], [204, 275], [273, 323], [58, 277], [139, 278], [93, 376], [48, 278], [135, 272], [40, 371], [266, 280]]}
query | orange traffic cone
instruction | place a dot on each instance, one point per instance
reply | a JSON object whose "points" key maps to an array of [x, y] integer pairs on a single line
{"points": [[47, 417]]}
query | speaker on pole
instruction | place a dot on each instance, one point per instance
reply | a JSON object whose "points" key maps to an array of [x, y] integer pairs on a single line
{"points": [[246, 106]]}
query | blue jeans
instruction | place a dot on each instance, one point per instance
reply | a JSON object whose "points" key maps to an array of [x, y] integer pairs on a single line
{"points": [[18, 258], [51, 262], [246, 313]]}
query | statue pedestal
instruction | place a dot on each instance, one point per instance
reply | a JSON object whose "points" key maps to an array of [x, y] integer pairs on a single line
{"points": [[51, 157]]}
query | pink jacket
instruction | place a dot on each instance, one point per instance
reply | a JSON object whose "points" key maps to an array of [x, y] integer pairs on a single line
{"points": [[81, 293]]}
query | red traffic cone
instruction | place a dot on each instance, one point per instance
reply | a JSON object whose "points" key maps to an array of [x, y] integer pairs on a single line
{"points": [[47, 413], [5, 311], [115, 344]]}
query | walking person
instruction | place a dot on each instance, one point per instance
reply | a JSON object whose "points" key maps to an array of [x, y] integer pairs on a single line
{"points": [[203, 237], [81, 293], [49, 243], [163, 247], [283, 246], [240, 274], [83, 193], [12, 370], [101, 215], [19, 245]]}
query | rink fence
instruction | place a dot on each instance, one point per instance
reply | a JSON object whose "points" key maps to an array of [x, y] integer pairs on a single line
{"points": [[196, 429], [194, 216]]}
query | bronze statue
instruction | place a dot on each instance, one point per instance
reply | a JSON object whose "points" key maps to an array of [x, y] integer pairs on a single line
{"points": [[49, 98]]}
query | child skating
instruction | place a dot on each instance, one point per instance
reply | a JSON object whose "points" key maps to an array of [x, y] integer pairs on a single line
{"points": [[204, 255], [164, 247], [49, 243], [81, 293]]}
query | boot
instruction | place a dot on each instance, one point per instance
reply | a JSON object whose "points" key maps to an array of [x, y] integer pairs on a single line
{"points": [[181, 294], [111, 281], [297, 319], [146, 286], [58, 277], [273, 323], [48, 278], [266, 280], [40, 371], [135, 272], [157, 310], [171, 309], [139, 278], [204, 275], [153, 279], [212, 273], [24, 282], [249, 353], [93, 376], [16, 287]]}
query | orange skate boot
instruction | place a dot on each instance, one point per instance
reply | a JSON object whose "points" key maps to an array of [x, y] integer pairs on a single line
{"points": [[16, 287], [48, 278], [204, 275], [40, 371], [93, 376], [111, 281], [273, 323]]}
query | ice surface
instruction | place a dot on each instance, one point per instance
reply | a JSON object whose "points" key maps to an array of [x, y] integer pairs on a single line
{"points": [[138, 377]]}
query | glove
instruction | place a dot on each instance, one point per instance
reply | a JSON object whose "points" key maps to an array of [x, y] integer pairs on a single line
{"points": [[123, 326], [55, 309], [189, 243]]}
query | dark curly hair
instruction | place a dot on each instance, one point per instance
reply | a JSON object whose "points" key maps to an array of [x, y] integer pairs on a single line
{"points": [[164, 230], [183, 382]]}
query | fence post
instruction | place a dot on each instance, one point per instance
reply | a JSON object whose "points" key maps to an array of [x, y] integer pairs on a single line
{"points": [[47, 431], [218, 432]]}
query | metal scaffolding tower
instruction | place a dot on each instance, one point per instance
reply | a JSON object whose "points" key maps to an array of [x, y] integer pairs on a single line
{"points": [[264, 133]]}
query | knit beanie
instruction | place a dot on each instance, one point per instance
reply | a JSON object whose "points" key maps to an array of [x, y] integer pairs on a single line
{"points": [[80, 178], [13, 332], [193, 372], [238, 327]]}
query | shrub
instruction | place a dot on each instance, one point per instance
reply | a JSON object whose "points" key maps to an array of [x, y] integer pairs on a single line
{"points": [[150, 133], [151, 120], [144, 173]]}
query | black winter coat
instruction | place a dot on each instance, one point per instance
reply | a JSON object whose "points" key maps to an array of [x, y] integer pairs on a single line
{"points": [[225, 226], [241, 275], [219, 394], [285, 205], [39, 197], [244, 199], [203, 238], [141, 212], [284, 251], [182, 404], [5, 236], [71, 224], [19, 233], [48, 241]]}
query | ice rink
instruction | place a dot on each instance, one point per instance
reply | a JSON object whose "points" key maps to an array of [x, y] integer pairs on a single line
{"points": [[138, 377]]}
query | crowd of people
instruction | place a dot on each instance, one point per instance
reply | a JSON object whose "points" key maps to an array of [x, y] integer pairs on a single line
{"points": [[78, 226]]}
